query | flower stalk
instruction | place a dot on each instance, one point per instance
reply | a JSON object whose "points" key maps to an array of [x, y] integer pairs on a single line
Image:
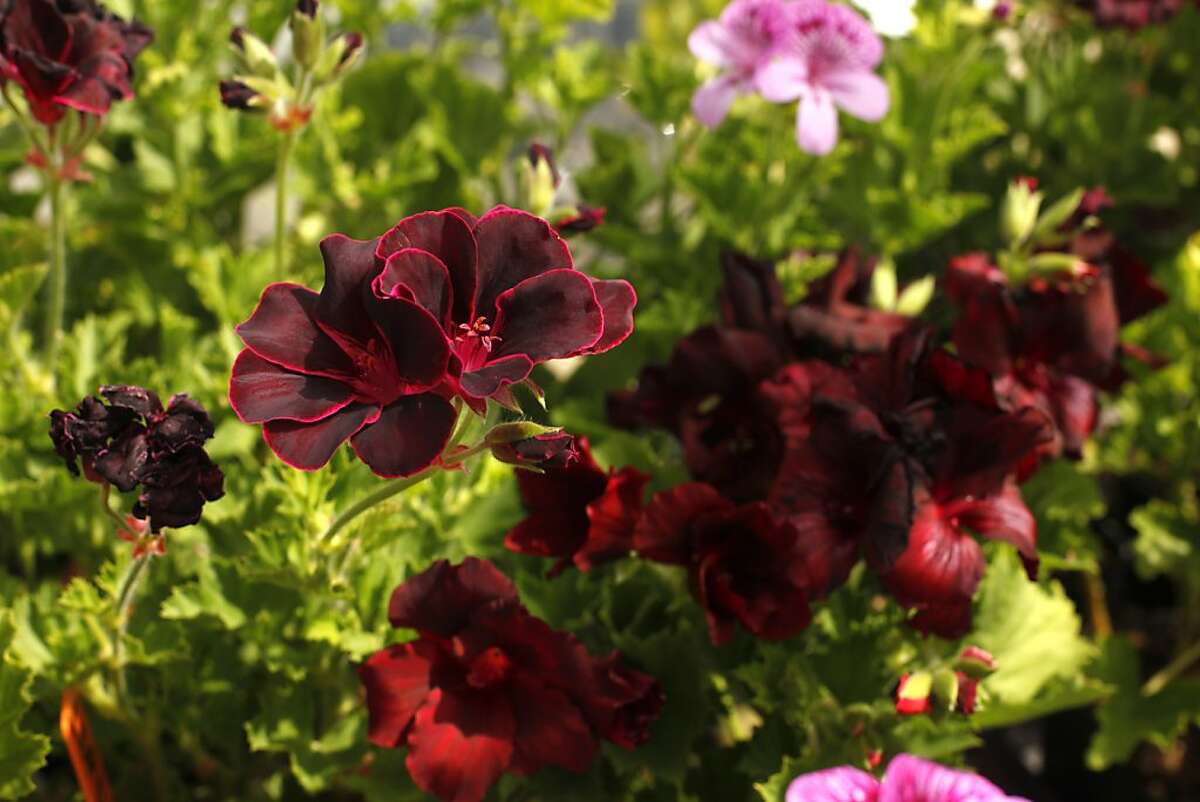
{"points": [[287, 141], [56, 280]]}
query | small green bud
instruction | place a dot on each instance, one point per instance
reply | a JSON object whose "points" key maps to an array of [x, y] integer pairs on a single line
{"points": [[1020, 211], [254, 53], [308, 34], [884, 285]]}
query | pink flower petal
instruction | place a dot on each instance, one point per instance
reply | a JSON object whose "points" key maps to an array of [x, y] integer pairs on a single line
{"points": [[816, 123], [858, 93], [711, 102], [783, 80], [911, 779], [709, 42], [843, 784]]}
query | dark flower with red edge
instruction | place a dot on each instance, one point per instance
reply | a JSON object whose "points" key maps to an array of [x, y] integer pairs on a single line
{"points": [[578, 513], [133, 441], [444, 304], [487, 688], [741, 560], [584, 218], [834, 318], [543, 451], [1132, 14], [68, 54]]}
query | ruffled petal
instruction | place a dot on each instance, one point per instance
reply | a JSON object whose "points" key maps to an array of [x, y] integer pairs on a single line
{"points": [[397, 682], [350, 265], [408, 437], [843, 784], [447, 235], [443, 598], [661, 533], [817, 123], [783, 80], [709, 42], [308, 446], [617, 301], [551, 731], [284, 330], [261, 391], [460, 745], [550, 316], [859, 93], [941, 564], [496, 375], [514, 246], [912, 779], [1004, 517], [420, 350], [712, 101], [421, 276]]}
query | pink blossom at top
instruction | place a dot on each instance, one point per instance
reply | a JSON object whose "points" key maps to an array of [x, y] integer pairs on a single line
{"points": [[908, 779], [740, 43], [826, 61]]}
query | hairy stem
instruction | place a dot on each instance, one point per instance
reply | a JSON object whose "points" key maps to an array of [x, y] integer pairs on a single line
{"points": [[56, 281], [380, 495], [282, 162], [126, 593], [1173, 670]]}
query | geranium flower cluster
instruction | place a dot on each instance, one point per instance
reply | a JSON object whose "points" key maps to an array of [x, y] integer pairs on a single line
{"points": [[1132, 14], [443, 309], [488, 688], [821, 54], [826, 431], [132, 440]]}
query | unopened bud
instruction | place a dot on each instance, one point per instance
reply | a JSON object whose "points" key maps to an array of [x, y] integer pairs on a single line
{"points": [[539, 180], [308, 34], [975, 662], [254, 53], [540, 452], [912, 695], [1020, 211]]}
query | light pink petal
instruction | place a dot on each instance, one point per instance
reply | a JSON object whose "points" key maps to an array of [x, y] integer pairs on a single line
{"points": [[711, 102], [709, 42], [911, 779], [816, 123], [783, 80], [860, 94], [843, 784]]}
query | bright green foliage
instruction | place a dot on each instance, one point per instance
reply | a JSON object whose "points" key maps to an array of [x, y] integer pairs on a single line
{"points": [[21, 753]]}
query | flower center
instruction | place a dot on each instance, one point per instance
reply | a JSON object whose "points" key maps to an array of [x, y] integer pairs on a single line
{"points": [[474, 344], [488, 668]]}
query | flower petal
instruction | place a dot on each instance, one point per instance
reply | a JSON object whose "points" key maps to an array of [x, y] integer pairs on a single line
{"points": [[460, 745], [783, 80], [912, 779], [350, 265], [420, 350], [496, 375], [712, 101], [284, 330], [1005, 517], [261, 391], [551, 731], [408, 436], [617, 301], [941, 564], [443, 598], [424, 276], [816, 123], [447, 235], [514, 246], [661, 533], [308, 446], [397, 682], [843, 784], [612, 518], [859, 93], [549, 316], [709, 42]]}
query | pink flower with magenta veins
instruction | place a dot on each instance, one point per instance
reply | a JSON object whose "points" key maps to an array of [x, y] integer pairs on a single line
{"points": [[908, 779]]}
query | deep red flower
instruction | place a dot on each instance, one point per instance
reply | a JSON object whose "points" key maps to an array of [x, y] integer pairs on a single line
{"points": [[1131, 14], [543, 451], [741, 560], [578, 513], [487, 688], [132, 440], [68, 54], [441, 305]]}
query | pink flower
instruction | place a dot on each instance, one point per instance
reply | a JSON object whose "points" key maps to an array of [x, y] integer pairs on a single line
{"points": [[825, 60], [740, 43], [908, 779]]}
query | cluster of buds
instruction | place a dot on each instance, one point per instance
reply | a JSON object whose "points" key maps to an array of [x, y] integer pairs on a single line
{"points": [[952, 688], [541, 183], [261, 84]]}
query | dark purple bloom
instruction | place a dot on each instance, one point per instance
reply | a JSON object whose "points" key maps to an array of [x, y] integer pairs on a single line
{"points": [[68, 54], [236, 95], [133, 441], [487, 688], [578, 512]]}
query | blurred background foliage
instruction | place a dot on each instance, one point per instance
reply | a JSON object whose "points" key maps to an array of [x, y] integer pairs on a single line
{"points": [[242, 647]]}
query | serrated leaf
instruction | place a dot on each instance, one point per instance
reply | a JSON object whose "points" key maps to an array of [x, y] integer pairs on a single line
{"points": [[21, 753]]}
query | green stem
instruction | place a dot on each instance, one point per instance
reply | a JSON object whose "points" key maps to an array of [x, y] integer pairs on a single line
{"points": [[126, 593], [382, 494], [286, 141], [57, 279], [1172, 670]]}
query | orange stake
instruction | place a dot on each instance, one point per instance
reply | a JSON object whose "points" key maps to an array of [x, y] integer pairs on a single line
{"points": [[85, 756]]}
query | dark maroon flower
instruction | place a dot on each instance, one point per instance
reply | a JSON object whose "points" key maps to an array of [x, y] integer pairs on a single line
{"points": [[133, 441], [487, 688], [543, 451], [1131, 14], [351, 43], [741, 560], [583, 219], [68, 54], [441, 305], [308, 8], [578, 513], [236, 95], [834, 319]]}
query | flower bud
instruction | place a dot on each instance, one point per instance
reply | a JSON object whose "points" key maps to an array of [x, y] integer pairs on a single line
{"points": [[579, 219], [946, 688], [254, 53], [913, 692], [975, 662], [539, 180], [336, 59], [236, 95], [1020, 211], [550, 448], [968, 695], [308, 34]]}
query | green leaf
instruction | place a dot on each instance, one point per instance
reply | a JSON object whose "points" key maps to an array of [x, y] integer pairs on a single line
{"points": [[19, 285], [21, 753], [1031, 630], [1163, 543], [1129, 717]]}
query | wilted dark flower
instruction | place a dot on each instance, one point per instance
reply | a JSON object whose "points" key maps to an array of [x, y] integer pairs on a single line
{"points": [[487, 688], [236, 95], [133, 441], [68, 54], [741, 560], [578, 512], [441, 305]]}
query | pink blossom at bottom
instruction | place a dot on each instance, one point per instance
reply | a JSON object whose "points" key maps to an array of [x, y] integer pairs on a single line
{"points": [[908, 779]]}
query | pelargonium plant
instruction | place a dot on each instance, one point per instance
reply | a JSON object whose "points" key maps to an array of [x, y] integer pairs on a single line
{"points": [[818, 54], [71, 60]]}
